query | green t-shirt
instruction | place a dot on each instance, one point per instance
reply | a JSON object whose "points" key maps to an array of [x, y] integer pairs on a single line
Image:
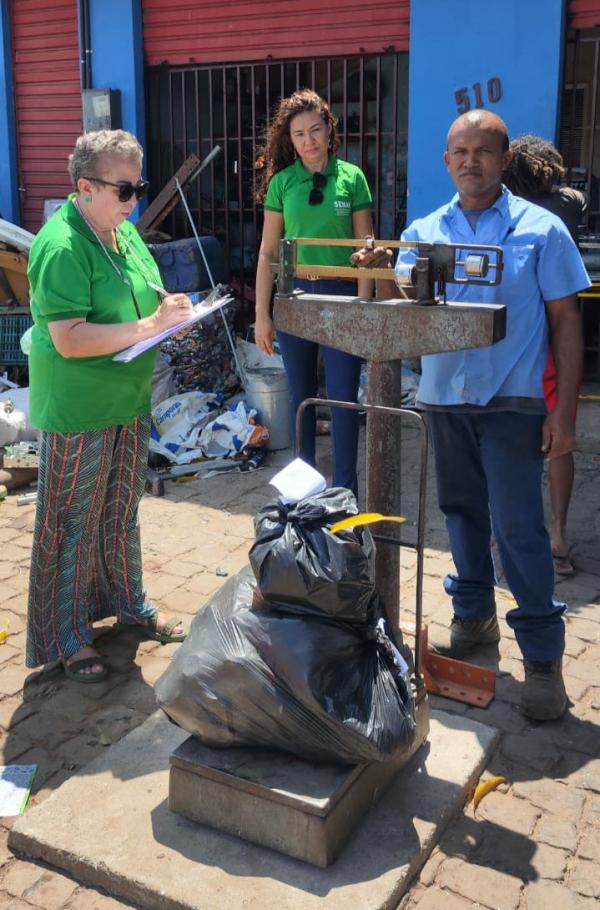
{"points": [[71, 277], [345, 192]]}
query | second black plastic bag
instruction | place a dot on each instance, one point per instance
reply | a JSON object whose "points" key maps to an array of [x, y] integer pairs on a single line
{"points": [[251, 673], [297, 560]]}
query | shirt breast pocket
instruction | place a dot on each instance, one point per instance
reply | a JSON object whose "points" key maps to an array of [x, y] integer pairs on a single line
{"points": [[520, 264]]}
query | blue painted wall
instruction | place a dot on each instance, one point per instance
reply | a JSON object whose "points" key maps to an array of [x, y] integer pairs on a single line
{"points": [[455, 44], [118, 59], [9, 181]]}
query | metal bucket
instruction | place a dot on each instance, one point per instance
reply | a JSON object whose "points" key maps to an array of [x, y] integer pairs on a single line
{"points": [[267, 391]]}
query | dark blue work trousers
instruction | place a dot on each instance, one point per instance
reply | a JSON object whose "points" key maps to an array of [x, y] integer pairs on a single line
{"points": [[489, 472], [342, 376]]}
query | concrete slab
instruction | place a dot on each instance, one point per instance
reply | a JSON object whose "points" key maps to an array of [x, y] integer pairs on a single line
{"points": [[109, 826]]}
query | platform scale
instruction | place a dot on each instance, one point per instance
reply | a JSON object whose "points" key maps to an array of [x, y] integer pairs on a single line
{"points": [[302, 809]]}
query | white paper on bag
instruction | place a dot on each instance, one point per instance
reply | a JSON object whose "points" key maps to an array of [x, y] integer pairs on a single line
{"points": [[297, 481]]}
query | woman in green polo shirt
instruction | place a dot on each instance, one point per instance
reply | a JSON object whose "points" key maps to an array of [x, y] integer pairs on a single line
{"points": [[91, 280], [308, 191]]}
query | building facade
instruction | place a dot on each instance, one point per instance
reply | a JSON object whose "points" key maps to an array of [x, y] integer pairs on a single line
{"points": [[192, 74]]}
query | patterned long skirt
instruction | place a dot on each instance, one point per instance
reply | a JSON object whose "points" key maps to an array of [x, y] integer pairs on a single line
{"points": [[86, 561]]}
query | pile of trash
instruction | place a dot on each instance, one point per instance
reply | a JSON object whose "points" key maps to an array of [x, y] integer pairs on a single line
{"points": [[18, 439], [295, 653], [203, 359], [195, 425], [192, 425]]}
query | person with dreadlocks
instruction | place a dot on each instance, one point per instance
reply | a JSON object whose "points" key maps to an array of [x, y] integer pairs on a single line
{"points": [[307, 191], [533, 173]]}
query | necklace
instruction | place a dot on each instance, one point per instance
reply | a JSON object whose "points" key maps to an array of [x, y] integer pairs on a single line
{"points": [[144, 270], [118, 237]]}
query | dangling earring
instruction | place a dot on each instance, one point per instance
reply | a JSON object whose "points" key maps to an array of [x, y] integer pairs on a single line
{"points": [[87, 199]]}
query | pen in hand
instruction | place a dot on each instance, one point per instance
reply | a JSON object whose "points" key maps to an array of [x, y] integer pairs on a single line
{"points": [[158, 289]]}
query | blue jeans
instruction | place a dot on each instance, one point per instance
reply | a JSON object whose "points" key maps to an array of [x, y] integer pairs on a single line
{"points": [[489, 472], [342, 375]]}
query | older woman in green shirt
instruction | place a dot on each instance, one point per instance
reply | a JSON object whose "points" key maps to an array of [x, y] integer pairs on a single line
{"points": [[91, 280]]}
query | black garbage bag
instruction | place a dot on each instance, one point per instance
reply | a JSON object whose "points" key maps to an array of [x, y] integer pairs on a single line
{"points": [[297, 560], [253, 674]]}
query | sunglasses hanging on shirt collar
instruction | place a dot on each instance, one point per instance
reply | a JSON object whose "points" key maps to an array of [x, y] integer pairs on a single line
{"points": [[125, 187], [316, 194]]}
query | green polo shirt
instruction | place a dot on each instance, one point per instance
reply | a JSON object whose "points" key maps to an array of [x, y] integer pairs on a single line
{"points": [[345, 192], [71, 277]]}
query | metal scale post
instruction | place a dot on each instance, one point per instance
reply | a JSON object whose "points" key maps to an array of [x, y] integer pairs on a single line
{"points": [[383, 332]]}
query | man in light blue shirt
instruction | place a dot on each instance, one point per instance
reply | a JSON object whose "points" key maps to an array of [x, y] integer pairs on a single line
{"points": [[541, 265], [486, 412]]}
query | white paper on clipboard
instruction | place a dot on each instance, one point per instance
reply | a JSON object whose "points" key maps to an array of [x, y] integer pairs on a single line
{"points": [[201, 311]]}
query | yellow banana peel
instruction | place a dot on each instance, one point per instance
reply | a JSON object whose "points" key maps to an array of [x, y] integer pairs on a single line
{"points": [[482, 789]]}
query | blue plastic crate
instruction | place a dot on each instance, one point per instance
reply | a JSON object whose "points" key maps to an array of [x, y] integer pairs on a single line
{"points": [[11, 329]]}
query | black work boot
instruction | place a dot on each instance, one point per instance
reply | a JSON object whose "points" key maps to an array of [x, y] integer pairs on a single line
{"points": [[544, 696], [465, 635]]}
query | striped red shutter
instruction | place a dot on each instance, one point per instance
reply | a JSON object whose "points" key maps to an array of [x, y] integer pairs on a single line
{"points": [[47, 99], [214, 31], [584, 14]]}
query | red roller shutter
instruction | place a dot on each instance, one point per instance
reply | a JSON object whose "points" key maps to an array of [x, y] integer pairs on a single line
{"points": [[47, 99], [584, 13], [185, 31]]}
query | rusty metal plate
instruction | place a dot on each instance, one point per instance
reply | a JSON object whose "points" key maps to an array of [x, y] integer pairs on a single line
{"points": [[382, 330], [451, 678], [458, 680]]}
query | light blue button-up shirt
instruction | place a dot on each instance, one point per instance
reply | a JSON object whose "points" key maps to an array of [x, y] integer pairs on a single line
{"points": [[541, 263]]}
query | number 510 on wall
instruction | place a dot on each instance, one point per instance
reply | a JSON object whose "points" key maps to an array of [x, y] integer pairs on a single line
{"points": [[463, 98]]}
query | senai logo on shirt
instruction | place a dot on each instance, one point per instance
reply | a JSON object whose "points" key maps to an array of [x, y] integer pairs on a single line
{"points": [[342, 206]]}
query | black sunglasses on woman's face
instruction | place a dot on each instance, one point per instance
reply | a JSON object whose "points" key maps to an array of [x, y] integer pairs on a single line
{"points": [[316, 194], [125, 187]]}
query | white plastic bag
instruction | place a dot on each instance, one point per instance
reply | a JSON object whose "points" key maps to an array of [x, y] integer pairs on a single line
{"points": [[252, 358], [177, 423], [25, 341], [163, 383], [12, 423], [232, 431]]}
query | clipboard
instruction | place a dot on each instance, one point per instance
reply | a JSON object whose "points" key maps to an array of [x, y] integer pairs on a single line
{"points": [[201, 311]]}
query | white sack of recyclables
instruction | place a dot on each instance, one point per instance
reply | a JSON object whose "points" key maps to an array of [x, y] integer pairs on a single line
{"points": [[252, 358], [19, 417], [177, 423], [12, 423], [186, 427], [229, 433]]}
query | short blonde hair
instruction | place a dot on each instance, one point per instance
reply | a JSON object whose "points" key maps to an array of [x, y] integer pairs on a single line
{"points": [[89, 148]]}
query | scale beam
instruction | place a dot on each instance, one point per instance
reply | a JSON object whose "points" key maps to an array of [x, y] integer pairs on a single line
{"points": [[381, 330]]}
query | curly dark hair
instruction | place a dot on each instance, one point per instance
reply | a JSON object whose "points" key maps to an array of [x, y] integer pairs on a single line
{"points": [[276, 152], [535, 167]]}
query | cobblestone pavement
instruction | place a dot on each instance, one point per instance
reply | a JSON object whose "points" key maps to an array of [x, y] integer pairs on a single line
{"points": [[533, 844]]}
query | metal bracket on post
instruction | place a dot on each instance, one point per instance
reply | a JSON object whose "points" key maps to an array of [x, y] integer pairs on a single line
{"points": [[451, 678], [424, 281], [287, 268]]}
